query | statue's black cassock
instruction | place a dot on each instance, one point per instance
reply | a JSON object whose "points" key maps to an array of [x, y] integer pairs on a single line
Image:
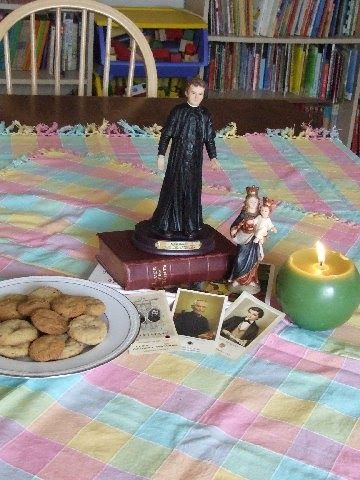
{"points": [[179, 207]]}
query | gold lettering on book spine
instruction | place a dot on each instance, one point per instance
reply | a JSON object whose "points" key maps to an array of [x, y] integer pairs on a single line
{"points": [[160, 275], [164, 245]]}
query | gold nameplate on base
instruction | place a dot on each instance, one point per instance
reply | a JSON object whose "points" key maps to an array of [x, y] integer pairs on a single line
{"points": [[173, 244], [177, 245]]}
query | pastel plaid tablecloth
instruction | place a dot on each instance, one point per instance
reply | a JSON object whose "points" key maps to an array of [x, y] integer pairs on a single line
{"points": [[287, 410]]}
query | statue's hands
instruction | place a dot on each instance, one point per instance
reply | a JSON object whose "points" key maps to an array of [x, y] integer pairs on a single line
{"points": [[215, 165], [161, 162]]}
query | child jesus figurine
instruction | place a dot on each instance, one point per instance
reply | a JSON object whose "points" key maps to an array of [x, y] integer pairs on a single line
{"points": [[264, 224]]}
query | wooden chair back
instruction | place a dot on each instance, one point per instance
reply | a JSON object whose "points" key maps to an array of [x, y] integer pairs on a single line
{"points": [[137, 40]]}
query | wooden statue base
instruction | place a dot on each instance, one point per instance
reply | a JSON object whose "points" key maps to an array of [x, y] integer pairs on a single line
{"points": [[147, 240]]}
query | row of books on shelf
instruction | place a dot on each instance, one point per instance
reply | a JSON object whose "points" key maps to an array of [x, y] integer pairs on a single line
{"points": [[19, 42], [283, 18], [323, 71]]}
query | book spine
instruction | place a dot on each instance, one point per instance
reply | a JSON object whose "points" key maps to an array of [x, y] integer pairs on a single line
{"points": [[262, 68], [351, 71], [279, 17], [307, 20], [331, 72], [348, 16], [329, 19], [250, 19], [321, 29], [292, 17], [164, 272], [300, 18], [316, 83], [324, 76], [334, 18], [256, 70], [341, 17], [317, 20], [244, 6], [297, 14], [51, 52]]}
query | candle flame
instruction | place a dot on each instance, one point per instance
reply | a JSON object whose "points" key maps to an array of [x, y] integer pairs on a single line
{"points": [[320, 250]]}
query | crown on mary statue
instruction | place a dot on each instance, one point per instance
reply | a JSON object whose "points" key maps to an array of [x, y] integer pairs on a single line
{"points": [[253, 190], [267, 202]]}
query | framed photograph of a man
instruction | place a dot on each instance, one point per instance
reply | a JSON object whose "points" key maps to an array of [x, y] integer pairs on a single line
{"points": [[197, 317], [244, 323]]}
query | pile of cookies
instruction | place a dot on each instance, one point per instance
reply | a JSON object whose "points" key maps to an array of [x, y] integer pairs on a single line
{"points": [[48, 325]]}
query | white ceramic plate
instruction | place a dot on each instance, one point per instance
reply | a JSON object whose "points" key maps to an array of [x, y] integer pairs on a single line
{"points": [[121, 317]]}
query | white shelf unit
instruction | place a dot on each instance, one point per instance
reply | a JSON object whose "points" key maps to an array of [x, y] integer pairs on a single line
{"points": [[22, 78], [347, 108]]}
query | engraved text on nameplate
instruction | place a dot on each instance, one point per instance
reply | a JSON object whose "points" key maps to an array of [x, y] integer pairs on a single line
{"points": [[164, 245]]}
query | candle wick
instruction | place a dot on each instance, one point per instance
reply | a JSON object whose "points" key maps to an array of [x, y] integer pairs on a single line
{"points": [[321, 264]]}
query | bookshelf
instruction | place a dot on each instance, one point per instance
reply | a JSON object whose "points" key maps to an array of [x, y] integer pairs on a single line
{"points": [[237, 28], [69, 78]]}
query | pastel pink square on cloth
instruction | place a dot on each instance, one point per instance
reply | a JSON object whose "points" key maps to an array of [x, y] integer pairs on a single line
{"points": [[272, 434], [347, 464], [143, 384], [232, 419], [72, 465], [29, 452], [111, 377]]}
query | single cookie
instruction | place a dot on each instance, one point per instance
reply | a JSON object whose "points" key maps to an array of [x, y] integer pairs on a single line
{"points": [[48, 321], [49, 293], [15, 351], [69, 306], [72, 347], [16, 331], [87, 329], [46, 348], [26, 308], [8, 306], [94, 306]]}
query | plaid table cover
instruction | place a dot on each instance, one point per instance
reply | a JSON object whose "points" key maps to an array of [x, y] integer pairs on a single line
{"points": [[288, 409]]}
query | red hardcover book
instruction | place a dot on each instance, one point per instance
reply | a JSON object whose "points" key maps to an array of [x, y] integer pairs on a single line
{"points": [[292, 17], [323, 18], [307, 19], [324, 81], [134, 269]]}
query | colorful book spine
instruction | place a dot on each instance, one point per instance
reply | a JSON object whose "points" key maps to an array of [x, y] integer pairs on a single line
{"points": [[351, 73]]}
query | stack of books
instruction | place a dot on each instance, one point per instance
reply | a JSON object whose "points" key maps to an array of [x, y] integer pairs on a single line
{"points": [[284, 18], [326, 72], [19, 41]]}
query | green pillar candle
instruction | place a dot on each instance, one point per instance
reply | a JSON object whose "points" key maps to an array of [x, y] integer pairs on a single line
{"points": [[318, 293]]}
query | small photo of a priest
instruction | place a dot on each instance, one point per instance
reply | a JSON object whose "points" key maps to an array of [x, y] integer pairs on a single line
{"points": [[198, 314]]}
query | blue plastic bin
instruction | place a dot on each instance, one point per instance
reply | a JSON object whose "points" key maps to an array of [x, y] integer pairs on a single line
{"points": [[164, 69]]}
